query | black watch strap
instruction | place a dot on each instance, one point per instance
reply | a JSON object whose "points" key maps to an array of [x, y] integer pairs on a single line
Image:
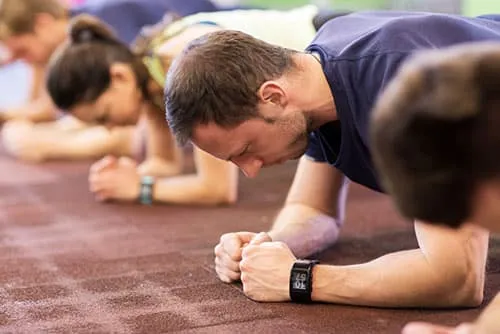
{"points": [[301, 280]]}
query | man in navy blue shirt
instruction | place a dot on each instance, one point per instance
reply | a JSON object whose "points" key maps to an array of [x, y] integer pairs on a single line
{"points": [[257, 105]]}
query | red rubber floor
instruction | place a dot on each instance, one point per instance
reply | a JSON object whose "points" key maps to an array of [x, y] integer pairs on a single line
{"points": [[71, 265]]}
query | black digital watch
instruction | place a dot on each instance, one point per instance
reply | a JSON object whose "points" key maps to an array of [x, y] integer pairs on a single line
{"points": [[301, 280]]}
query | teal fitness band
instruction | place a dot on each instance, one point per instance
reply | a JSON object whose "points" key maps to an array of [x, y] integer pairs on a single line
{"points": [[146, 194]]}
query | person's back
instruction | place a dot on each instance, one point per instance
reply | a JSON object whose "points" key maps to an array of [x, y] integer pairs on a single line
{"points": [[293, 29], [127, 17], [360, 54]]}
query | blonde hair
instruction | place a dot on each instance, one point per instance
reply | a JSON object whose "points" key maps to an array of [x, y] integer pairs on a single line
{"points": [[18, 16]]}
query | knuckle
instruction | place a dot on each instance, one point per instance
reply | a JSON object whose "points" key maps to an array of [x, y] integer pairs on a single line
{"points": [[219, 273], [234, 276], [235, 256], [244, 280], [234, 266], [247, 251], [218, 250], [244, 266], [225, 237]]}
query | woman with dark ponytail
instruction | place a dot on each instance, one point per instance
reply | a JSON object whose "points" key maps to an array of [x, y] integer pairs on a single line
{"points": [[99, 80], [31, 30]]}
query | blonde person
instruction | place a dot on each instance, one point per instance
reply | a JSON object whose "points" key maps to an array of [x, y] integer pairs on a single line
{"points": [[99, 80], [30, 30]]}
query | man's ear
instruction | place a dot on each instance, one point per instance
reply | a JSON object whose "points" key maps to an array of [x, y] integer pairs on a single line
{"points": [[272, 92], [121, 74]]}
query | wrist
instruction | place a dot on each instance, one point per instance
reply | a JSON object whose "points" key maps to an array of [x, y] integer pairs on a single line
{"points": [[301, 281], [318, 274], [146, 190]]}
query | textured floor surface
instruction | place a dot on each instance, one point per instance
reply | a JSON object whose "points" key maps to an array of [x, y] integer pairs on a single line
{"points": [[71, 265]]}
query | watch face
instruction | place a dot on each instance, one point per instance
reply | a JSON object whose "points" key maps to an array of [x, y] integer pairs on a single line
{"points": [[299, 280]]}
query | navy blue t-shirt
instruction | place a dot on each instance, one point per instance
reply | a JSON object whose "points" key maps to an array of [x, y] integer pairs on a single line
{"points": [[360, 53], [127, 17]]}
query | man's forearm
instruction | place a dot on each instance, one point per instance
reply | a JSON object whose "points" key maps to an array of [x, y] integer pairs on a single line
{"points": [[305, 230], [403, 279]]}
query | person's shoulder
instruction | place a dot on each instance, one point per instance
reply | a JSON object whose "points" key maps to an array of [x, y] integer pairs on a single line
{"points": [[414, 24], [355, 34], [361, 34]]}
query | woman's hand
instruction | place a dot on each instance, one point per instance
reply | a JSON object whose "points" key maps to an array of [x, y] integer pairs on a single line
{"points": [[115, 179]]}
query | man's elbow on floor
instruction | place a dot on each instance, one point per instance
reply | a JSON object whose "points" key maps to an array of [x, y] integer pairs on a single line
{"points": [[464, 288], [471, 293]]}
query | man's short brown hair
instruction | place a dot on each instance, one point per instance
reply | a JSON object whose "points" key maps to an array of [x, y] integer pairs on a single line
{"points": [[18, 16], [217, 78], [435, 131]]}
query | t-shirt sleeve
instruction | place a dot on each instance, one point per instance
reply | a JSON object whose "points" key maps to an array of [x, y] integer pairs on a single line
{"points": [[314, 149]]}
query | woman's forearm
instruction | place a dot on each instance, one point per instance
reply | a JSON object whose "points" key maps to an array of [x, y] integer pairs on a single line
{"points": [[191, 189]]}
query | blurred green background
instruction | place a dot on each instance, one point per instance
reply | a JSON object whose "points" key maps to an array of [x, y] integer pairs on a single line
{"points": [[336, 4], [478, 7], [466, 7]]}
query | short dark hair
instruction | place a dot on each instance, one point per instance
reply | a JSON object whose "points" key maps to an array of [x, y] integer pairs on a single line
{"points": [[79, 72], [435, 131], [217, 78]]}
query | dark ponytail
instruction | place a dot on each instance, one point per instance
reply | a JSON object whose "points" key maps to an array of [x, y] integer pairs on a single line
{"points": [[86, 28], [80, 71]]}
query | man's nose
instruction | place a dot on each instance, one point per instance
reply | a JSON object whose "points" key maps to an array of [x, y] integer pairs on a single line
{"points": [[250, 167]]}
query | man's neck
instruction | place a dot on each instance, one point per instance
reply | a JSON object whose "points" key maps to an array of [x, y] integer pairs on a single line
{"points": [[315, 95]]}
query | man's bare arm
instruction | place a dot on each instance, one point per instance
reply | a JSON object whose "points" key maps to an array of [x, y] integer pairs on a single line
{"points": [[446, 271], [314, 209]]}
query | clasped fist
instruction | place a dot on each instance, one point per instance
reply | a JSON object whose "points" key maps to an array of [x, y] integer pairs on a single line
{"points": [[262, 266]]}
